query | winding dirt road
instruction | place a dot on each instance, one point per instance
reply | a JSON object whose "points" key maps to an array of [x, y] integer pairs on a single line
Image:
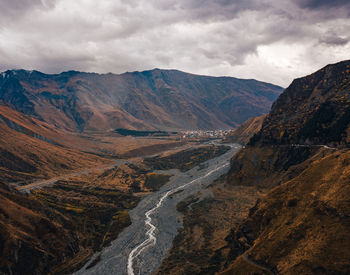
{"points": [[41, 183]]}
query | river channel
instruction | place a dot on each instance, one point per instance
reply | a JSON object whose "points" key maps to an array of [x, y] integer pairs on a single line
{"points": [[140, 248]]}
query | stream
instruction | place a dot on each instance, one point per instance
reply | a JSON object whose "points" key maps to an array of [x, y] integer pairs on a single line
{"points": [[140, 248]]}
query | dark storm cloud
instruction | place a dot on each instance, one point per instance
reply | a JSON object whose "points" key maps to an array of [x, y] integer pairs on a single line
{"points": [[272, 40], [331, 38], [323, 4], [218, 9], [15, 8]]}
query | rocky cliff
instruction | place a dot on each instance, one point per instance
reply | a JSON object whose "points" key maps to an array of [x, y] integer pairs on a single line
{"points": [[313, 110]]}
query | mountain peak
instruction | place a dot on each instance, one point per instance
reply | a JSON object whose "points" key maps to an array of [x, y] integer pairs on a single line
{"points": [[314, 109]]}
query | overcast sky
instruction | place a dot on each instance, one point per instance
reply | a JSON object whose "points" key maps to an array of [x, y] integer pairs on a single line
{"points": [[270, 40]]}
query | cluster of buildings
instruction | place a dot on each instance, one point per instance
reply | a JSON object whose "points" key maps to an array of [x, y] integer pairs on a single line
{"points": [[205, 133]]}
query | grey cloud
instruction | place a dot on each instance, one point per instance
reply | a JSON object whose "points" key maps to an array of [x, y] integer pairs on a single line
{"points": [[323, 4], [15, 8], [331, 38], [208, 10], [200, 36]]}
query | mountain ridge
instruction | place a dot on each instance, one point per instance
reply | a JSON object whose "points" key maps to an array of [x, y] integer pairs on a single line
{"points": [[317, 115], [3, 73], [149, 100]]}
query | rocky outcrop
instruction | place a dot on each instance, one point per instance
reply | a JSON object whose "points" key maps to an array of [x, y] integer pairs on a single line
{"points": [[312, 110]]}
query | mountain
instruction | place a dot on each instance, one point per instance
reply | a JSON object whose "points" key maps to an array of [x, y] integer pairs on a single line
{"points": [[32, 236], [301, 226], [302, 155], [283, 208], [312, 110], [156, 99]]}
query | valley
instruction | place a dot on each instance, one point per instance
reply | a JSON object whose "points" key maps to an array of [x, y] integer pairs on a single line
{"points": [[187, 137], [90, 202], [297, 221], [155, 221], [173, 196]]}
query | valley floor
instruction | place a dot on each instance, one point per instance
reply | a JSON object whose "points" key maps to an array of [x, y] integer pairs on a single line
{"points": [[166, 219]]}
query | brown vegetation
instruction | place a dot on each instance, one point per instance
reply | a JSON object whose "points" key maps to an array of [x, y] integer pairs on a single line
{"points": [[245, 131], [82, 214], [186, 159], [200, 246], [302, 224]]}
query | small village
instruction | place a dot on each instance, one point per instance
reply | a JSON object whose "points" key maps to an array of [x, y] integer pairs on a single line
{"points": [[205, 133]]}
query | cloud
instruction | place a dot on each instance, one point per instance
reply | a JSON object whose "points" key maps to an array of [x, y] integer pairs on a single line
{"points": [[271, 40], [323, 4], [16, 8], [332, 39]]}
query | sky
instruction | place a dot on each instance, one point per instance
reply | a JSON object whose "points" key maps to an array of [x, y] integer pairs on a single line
{"points": [[269, 40]]}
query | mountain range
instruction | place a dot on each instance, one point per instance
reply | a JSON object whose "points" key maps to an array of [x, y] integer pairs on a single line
{"points": [[149, 100]]}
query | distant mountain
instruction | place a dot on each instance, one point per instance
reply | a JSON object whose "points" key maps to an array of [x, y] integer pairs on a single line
{"points": [[149, 100]]}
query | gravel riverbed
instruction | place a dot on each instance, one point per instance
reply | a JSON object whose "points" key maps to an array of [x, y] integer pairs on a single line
{"points": [[165, 219]]}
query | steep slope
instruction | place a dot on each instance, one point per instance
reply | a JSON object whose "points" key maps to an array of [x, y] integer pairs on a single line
{"points": [[302, 225], [301, 222], [312, 110], [246, 131], [157, 99], [30, 149], [32, 237], [55, 230]]}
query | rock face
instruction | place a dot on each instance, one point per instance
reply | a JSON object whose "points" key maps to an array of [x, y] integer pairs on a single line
{"points": [[301, 226], [156, 99], [312, 110]]}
